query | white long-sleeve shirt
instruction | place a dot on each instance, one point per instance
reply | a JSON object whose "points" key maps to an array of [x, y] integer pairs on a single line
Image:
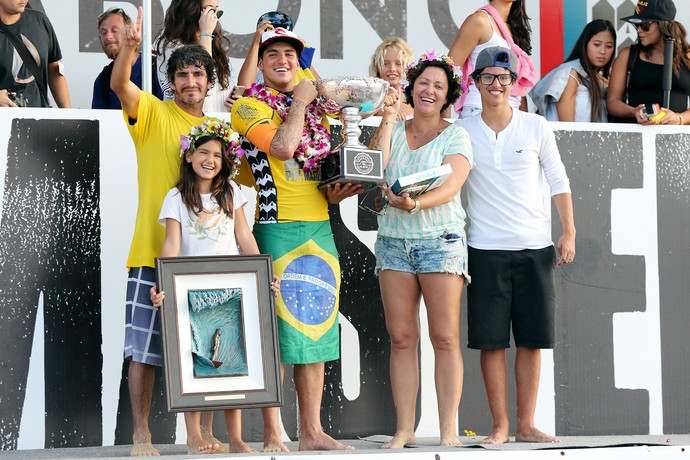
{"points": [[508, 191]]}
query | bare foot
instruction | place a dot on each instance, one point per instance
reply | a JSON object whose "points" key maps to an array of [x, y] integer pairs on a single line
{"points": [[240, 448], [497, 436], [322, 442], [450, 440], [210, 439], [143, 449], [400, 440], [194, 449], [534, 435], [275, 447]]}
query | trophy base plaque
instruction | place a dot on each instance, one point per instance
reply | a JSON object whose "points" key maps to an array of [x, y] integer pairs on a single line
{"points": [[357, 165]]}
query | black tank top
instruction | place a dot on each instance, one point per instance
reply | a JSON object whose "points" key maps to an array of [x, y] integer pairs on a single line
{"points": [[644, 85]]}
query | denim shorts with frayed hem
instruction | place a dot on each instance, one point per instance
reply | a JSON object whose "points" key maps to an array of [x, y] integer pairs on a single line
{"points": [[446, 253]]}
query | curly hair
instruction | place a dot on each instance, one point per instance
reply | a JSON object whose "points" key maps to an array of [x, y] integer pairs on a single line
{"points": [[194, 55], [454, 88], [221, 190], [396, 43], [181, 25]]}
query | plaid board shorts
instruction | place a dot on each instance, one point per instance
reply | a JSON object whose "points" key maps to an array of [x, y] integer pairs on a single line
{"points": [[142, 321]]}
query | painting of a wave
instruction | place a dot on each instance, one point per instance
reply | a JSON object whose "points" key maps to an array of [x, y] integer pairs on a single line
{"points": [[218, 345]]}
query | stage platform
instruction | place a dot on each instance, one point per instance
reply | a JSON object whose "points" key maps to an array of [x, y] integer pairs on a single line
{"points": [[571, 447]]}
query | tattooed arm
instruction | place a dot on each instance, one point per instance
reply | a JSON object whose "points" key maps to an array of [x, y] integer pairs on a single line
{"points": [[289, 134]]}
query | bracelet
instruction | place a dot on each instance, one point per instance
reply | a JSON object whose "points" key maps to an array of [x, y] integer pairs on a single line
{"points": [[680, 119], [206, 35]]}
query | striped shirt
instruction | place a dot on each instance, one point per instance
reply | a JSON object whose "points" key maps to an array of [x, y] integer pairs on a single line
{"points": [[431, 222]]}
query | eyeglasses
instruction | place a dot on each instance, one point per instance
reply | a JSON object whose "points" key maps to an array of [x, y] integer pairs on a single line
{"points": [[109, 12], [277, 19], [645, 26], [505, 79], [378, 200]]}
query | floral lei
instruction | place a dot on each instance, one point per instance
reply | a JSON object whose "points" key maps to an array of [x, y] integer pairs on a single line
{"points": [[220, 130], [315, 144]]}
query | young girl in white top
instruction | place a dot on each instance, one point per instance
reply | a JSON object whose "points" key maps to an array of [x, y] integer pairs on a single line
{"points": [[576, 89], [203, 216]]}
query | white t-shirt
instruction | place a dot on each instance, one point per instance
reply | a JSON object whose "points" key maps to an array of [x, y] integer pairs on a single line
{"points": [[509, 204], [210, 233]]}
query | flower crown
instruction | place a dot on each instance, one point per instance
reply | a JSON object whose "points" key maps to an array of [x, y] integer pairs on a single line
{"points": [[433, 56], [220, 130]]}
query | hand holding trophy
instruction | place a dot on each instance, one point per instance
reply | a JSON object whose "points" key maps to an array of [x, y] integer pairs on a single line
{"points": [[358, 97]]}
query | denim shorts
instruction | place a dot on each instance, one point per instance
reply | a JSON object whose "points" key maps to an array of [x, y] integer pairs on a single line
{"points": [[447, 253]]}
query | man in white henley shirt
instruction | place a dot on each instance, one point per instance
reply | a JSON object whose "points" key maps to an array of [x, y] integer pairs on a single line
{"points": [[511, 254]]}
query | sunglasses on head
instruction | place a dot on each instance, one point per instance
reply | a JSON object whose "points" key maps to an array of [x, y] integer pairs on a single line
{"points": [[108, 12], [645, 26], [277, 19]]}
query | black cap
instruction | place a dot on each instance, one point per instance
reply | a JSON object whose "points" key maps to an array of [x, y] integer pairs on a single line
{"points": [[652, 10]]}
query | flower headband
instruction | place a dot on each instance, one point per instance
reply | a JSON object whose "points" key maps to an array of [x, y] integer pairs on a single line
{"points": [[432, 56], [218, 129]]}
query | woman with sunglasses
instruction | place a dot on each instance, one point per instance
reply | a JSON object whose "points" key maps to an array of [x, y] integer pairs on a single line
{"points": [[421, 251], [500, 23], [195, 22], [575, 90], [636, 78]]}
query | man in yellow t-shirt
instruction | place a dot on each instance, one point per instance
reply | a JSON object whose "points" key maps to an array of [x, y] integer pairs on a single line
{"points": [[292, 225], [155, 127]]}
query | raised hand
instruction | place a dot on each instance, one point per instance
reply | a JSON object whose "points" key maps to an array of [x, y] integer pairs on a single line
{"points": [[208, 21], [130, 35]]}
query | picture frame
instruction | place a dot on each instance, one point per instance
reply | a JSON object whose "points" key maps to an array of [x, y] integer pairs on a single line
{"points": [[219, 332]]}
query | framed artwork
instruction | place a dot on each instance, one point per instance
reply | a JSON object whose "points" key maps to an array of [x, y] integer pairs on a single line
{"points": [[220, 337]]}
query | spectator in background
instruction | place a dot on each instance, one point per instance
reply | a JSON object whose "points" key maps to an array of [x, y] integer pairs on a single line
{"points": [[110, 23], [576, 90], [636, 77], [27, 84], [389, 62], [500, 23], [195, 22]]}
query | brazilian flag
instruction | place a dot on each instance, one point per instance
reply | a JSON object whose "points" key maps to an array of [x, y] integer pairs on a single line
{"points": [[306, 261]]}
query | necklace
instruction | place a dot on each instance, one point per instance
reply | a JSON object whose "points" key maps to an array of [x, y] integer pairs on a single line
{"points": [[315, 144], [415, 135]]}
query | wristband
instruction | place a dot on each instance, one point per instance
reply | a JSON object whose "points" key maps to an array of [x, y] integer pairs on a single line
{"points": [[206, 35], [680, 119]]}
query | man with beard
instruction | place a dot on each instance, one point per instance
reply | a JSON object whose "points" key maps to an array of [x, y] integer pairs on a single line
{"points": [[155, 127], [110, 23]]}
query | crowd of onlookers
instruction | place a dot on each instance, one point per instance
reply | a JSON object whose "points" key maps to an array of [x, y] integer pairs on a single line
{"points": [[591, 85]]}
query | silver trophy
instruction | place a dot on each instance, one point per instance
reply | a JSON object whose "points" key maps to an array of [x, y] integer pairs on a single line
{"points": [[358, 97]]}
